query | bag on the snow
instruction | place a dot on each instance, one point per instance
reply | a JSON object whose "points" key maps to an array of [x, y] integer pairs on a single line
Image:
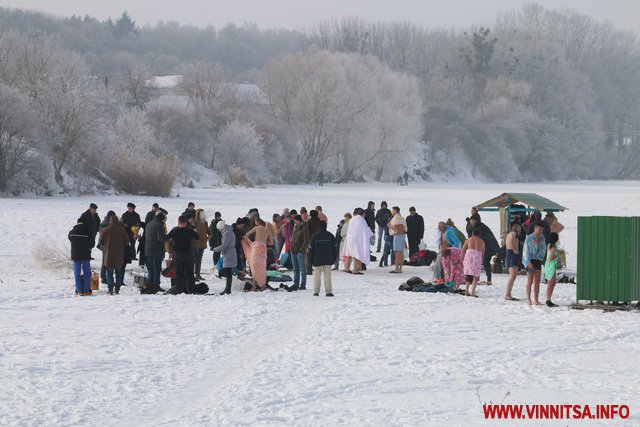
{"points": [[94, 282], [200, 288]]}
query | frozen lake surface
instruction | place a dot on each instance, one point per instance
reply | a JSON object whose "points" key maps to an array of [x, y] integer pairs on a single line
{"points": [[370, 356]]}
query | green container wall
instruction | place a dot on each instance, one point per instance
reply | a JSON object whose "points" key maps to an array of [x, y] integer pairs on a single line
{"points": [[608, 258]]}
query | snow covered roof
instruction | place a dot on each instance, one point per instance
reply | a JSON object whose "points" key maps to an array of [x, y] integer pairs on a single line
{"points": [[530, 199], [164, 82]]}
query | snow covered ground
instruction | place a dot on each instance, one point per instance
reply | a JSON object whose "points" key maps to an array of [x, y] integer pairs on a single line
{"points": [[370, 356]]}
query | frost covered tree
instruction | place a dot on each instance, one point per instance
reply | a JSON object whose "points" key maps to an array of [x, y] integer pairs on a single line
{"points": [[18, 134], [204, 84], [240, 149], [348, 112]]}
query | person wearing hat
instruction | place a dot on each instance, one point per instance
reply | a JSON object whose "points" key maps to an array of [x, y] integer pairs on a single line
{"points": [[131, 219], [227, 249], [190, 212], [81, 238], [154, 249], [91, 219], [152, 213]]}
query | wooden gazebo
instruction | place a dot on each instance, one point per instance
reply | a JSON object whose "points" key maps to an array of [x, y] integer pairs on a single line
{"points": [[512, 203]]}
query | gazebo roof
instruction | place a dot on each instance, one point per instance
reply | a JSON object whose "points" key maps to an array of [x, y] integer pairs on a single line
{"points": [[530, 199]]}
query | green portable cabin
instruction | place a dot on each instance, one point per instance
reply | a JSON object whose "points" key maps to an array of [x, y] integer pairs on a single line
{"points": [[504, 204], [608, 259]]}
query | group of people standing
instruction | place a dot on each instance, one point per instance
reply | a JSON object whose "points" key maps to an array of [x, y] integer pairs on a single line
{"points": [[299, 240]]}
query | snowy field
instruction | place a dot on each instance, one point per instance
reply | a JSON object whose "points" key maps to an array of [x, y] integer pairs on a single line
{"points": [[370, 356]]}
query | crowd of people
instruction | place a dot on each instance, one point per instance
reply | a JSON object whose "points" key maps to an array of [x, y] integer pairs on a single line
{"points": [[299, 240]]}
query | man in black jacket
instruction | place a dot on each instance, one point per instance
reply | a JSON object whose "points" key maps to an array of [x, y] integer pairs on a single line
{"points": [[415, 230], [129, 219], [216, 236], [383, 216], [490, 244], [183, 256], [81, 237], [370, 216], [151, 214], [91, 219], [154, 250], [322, 253]]}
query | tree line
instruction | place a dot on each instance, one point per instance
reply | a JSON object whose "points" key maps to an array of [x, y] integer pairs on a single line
{"points": [[542, 94]]}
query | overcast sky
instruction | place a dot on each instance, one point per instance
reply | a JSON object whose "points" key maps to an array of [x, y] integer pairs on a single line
{"points": [[299, 14]]}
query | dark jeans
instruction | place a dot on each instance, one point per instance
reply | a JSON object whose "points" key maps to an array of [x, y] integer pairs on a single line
{"points": [[299, 269], [114, 284], [388, 244], [486, 263], [154, 267], [381, 237], [414, 243], [184, 274]]}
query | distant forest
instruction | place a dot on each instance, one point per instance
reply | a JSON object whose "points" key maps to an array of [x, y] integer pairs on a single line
{"points": [[539, 95]]}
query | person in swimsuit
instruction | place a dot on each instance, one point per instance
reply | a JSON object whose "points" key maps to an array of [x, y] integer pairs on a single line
{"points": [[472, 256], [532, 256], [512, 259], [550, 267]]}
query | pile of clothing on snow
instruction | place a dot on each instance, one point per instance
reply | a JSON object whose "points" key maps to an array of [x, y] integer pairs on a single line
{"points": [[416, 284]]}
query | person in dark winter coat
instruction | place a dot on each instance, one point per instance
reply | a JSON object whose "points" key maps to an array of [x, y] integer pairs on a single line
{"points": [[190, 212], [314, 223], [81, 238], [114, 240], [415, 230], [323, 254], [240, 228], [227, 249], [154, 249], [370, 216], [104, 224], [130, 219], [152, 213], [383, 216], [491, 245], [91, 219], [183, 256], [216, 236]]}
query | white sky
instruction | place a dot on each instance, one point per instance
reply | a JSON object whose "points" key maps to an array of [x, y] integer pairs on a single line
{"points": [[299, 14]]}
